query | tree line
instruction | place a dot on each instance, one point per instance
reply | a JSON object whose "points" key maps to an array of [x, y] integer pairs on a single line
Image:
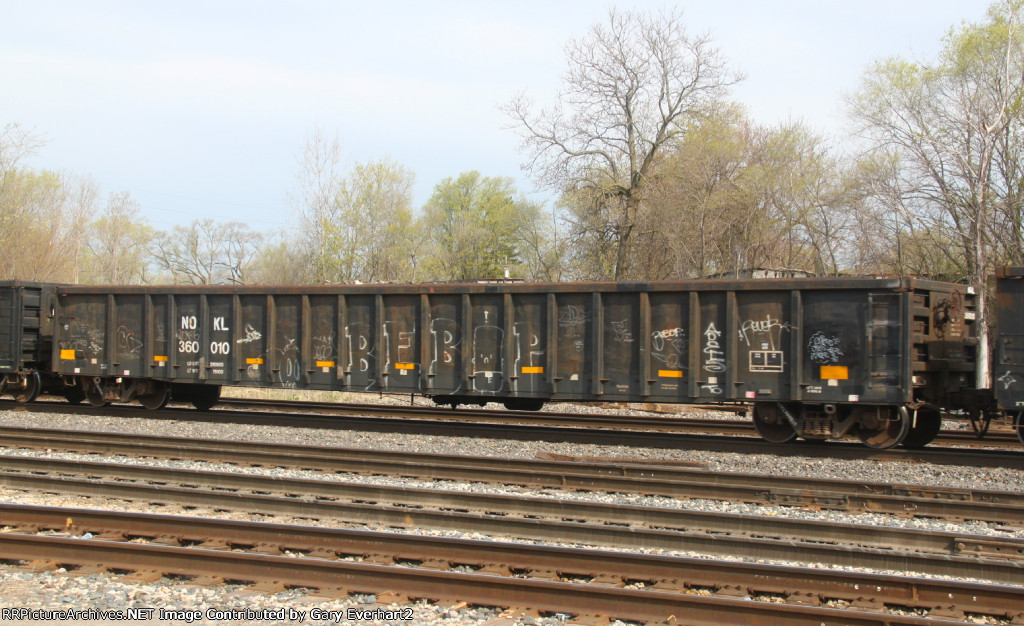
{"points": [[657, 174]]}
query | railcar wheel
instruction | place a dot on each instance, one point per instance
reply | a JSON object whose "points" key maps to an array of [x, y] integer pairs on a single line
{"points": [[30, 388], [157, 397], [929, 423], [771, 424], [95, 396], [74, 395], [980, 423], [204, 398], [1019, 424], [524, 404], [882, 427]]}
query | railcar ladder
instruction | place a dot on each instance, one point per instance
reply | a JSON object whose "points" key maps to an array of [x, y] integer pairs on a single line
{"points": [[884, 331], [10, 331]]}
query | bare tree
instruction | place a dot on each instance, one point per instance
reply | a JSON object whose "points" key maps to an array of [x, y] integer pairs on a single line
{"points": [[945, 122], [628, 87], [319, 178], [355, 224], [206, 252], [42, 217], [16, 144], [118, 243]]}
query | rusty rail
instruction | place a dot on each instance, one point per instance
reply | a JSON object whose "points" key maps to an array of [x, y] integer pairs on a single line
{"points": [[738, 424], [341, 576], [613, 568], [400, 422], [906, 500], [610, 525]]}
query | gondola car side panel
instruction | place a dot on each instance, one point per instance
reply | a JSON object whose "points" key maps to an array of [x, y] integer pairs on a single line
{"points": [[1008, 361]]}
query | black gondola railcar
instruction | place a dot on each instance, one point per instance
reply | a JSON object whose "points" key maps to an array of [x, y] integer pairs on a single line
{"points": [[26, 338], [817, 358]]}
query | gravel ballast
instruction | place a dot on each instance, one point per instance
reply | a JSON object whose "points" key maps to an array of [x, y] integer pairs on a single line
{"points": [[56, 590]]}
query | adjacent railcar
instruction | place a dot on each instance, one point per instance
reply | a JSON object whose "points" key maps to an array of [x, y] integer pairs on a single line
{"points": [[26, 338], [1008, 357], [817, 358]]}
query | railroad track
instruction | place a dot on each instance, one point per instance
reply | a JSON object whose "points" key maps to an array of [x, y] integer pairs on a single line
{"points": [[580, 582], [397, 421], [664, 423], [534, 518], [1003, 507], [668, 423]]}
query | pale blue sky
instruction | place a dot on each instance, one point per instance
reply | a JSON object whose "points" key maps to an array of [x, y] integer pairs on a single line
{"points": [[200, 109]]}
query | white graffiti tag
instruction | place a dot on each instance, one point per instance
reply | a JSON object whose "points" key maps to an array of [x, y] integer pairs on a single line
{"points": [[1007, 379], [824, 348], [714, 356], [251, 335], [751, 329]]}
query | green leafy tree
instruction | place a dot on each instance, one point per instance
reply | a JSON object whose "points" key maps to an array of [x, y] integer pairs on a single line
{"points": [[473, 226], [356, 225], [374, 208], [280, 260]]}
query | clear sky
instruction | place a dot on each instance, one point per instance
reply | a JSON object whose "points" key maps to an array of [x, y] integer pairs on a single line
{"points": [[201, 109]]}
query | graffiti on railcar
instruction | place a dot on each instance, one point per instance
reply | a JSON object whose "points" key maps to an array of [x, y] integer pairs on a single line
{"points": [[529, 357], [574, 320], [824, 349], [764, 338], [360, 347], [669, 346], [362, 353], [82, 337], [713, 360], [128, 344], [251, 335], [289, 373], [767, 332], [445, 340], [714, 354], [323, 347], [488, 365], [1007, 379], [623, 331], [401, 344]]}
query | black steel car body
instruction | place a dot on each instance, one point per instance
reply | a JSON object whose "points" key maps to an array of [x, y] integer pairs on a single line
{"points": [[1008, 360], [816, 357], [26, 337]]}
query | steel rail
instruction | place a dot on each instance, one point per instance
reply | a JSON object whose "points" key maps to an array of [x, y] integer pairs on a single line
{"points": [[663, 423], [666, 422], [328, 575], [589, 523], [952, 599], [906, 500], [1012, 457]]}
